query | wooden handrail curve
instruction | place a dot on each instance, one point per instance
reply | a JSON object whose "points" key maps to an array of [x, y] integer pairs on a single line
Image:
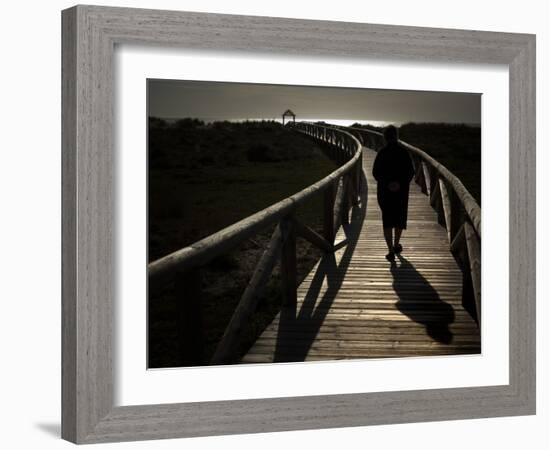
{"points": [[468, 202], [204, 250], [340, 190]]}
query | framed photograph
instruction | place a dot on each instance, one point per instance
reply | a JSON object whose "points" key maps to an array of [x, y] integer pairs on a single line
{"points": [[265, 229]]}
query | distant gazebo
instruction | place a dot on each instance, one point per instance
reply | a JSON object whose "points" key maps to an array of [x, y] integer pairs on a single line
{"points": [[289, 113]]}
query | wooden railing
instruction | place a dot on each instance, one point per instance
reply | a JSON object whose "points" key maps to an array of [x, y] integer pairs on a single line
{"points": [[457, 211], [340, 190]]}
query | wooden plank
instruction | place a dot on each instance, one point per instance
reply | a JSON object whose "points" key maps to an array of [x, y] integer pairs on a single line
{"points": [[366, 321], [295, 336], [335, 356], [331, 323], [355, 346], [265, 354]]}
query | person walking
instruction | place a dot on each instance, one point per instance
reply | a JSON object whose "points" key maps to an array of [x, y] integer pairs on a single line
{"points": [[393, 170]]}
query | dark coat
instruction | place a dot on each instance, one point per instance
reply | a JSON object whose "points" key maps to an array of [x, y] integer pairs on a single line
{"points": [[393, 163]]}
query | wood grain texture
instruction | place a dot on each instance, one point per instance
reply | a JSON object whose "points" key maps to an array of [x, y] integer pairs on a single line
{"points": [[419, 300], [88, 329], [89, 36], [523, 226], [69, 256]]}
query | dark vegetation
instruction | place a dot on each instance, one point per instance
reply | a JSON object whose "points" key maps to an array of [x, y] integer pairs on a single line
{"points": [[204, 177], [457, 147]]}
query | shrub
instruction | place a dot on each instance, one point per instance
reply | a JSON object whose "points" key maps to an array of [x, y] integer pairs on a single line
{"points": [[261, 153]]}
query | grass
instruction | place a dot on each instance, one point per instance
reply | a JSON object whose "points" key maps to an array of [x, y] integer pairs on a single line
{"points": [[185, 207]]}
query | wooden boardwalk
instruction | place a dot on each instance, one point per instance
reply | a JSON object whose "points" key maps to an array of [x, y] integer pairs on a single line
{"points": [[354, 304]]}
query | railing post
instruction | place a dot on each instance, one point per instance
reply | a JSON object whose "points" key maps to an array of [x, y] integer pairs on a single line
{"points": [[436, 200], [189, 317], [344, 212], [354, 177], [456, 214], [446, 203], [359, 176], [474, 266], [227, 348], [433, 179], [328, 213], [419, 172], [288, 263], [426, 186]]}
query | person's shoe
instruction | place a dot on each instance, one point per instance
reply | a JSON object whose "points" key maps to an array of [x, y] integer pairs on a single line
{"points": [[398, 248], [390, 256]]}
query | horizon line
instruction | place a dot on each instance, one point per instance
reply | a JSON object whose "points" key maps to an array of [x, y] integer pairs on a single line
{"points": [[341, 122]]}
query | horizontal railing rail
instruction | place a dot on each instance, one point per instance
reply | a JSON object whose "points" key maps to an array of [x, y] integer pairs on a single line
{"points": [[457, 211], [340, 191]]}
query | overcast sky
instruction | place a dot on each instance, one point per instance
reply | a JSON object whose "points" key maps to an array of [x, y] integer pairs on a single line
{"points": [[237, 101]]}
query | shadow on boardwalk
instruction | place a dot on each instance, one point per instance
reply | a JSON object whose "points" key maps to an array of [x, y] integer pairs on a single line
{"points": [[354, 305], [417, 299], [312, 312], [421, 302]]}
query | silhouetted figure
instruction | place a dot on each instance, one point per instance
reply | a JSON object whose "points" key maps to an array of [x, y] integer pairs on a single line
{"points": [[393, 170]]}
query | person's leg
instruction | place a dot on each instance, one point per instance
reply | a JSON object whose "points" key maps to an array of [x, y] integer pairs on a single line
{"points": [[397, 236], [396, 245], [388, 237]]}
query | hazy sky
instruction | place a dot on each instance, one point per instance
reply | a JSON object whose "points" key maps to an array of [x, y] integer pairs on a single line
{"points": [[233, 101]]}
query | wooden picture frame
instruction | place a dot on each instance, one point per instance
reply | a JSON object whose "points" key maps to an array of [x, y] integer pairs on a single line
{"points": [[89, 37]]}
